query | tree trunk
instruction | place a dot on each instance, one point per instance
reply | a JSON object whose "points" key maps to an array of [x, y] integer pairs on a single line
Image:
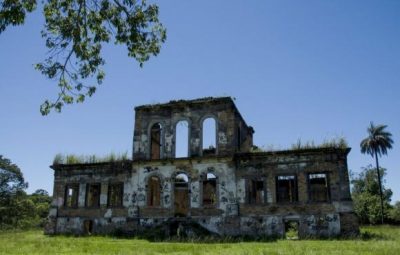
{"points": [[380, 184]]}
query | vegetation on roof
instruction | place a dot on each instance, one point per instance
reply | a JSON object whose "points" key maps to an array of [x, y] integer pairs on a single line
{"points": [[334, 143], [60, 159]]}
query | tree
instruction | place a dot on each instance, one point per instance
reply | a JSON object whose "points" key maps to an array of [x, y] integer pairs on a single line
{"points": [[18, 209], [365, 194], [75, 31], [11, 178], [377, 143], [12, 185], [394, 213]]}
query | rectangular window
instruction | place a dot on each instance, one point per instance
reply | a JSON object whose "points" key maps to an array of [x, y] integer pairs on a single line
{"points": [[286, 188], [210, 190], [115, 194], [93, 195], [318, 188], [71, 195], [255, 192]]}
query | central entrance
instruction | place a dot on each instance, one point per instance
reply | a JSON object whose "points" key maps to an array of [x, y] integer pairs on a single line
{"points": [[181, 195]]}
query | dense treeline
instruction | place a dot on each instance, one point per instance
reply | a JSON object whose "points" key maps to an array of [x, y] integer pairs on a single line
{"points": [[366, 198], [17, 208]]}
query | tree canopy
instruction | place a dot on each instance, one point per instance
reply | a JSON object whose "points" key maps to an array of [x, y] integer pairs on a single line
{"points": [[366, 198], [74, 32], [11, 178], [17, 209], [377, 143]]}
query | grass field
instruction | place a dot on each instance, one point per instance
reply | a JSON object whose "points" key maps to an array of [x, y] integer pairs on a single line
{"points": [[374, 240]]}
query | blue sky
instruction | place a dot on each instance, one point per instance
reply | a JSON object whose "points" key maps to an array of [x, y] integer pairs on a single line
{"points": [[298, 69]]}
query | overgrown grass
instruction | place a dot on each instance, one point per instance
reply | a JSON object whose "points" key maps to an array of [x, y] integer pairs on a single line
{"points": [[339, 143], [374, 240], [336, 143], [82, 159]]}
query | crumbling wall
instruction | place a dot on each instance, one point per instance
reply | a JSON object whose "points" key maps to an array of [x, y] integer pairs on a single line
{"points": [[222, 110]]}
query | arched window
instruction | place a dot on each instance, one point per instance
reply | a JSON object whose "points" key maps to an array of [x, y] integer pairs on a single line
{"points": [[154, 191], [182, 139], [155, 141], [181, 195], [210, 190], [209, 137]]}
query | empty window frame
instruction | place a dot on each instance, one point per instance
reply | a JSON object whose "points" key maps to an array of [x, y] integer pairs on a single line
{"points": [[239, 139], [93, 195], [155, 141], [182, 139], [154, 191], [209, 136], [318, 187], [255, 191], [115, 194], [71, 195], [286, 188], [209, 190]]}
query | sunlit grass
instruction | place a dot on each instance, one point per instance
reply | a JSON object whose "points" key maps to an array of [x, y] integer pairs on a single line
{"points": [[374, 240]]}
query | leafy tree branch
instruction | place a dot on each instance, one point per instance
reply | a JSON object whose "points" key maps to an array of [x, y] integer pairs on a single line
{"points": [[75, 31]]}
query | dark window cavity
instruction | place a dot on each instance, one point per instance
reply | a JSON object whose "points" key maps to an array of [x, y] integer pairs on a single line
{"points": [[115, 194], [155, 141], [318, 187], [255, 192], [71, 195], [93, 195], [239, 139], [286, 188], [210, 190], [154, 191]]}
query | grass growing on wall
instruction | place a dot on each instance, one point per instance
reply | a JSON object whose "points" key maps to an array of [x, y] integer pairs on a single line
{"points": [[374, 240], [85, 159]]}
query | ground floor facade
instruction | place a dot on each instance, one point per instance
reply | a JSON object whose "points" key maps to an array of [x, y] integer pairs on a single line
{"points": [[247, 194]]}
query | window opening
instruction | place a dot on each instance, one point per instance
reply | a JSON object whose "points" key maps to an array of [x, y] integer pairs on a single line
{"points": [[255, 192], [286, 188], [155, 143], [154, 187], [115, 193], [318, 187], [239, 138], [181, 195], [93, 195], [210, 190], [182, 139], [209, 137], [71, 195]]}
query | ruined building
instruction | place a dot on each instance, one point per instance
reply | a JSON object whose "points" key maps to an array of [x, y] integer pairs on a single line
{"points": [[227, 189]]}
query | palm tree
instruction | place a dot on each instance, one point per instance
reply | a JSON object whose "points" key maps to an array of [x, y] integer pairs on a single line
{"points": [[377, 143]]}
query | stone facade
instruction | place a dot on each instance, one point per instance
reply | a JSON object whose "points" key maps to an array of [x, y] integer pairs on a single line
{"points": [[226, 189]]}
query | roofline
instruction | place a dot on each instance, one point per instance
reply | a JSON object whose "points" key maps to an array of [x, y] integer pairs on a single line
{"points": [[295, 151]]}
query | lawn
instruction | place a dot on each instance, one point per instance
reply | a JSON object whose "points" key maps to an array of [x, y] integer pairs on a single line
{"points": [[375, 240]]}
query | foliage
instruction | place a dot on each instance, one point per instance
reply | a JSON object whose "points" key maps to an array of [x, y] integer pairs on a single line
{"points": [[17, 209], [11, 179], [75, 31], [378, 140], [374, 240], [82, 159], [377, 143], [365, 194], [394, 213], [339, 143]]}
